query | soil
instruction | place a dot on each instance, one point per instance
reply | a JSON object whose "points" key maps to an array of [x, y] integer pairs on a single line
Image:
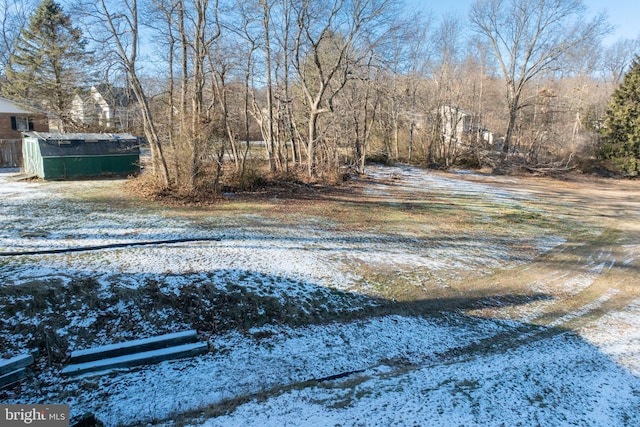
{"points": [[594, 272]]}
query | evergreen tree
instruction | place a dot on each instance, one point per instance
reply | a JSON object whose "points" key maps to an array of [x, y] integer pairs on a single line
{"points": [[620, 136], [48, 62]]}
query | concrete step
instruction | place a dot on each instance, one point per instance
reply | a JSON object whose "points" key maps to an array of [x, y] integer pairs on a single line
{"points": [[15, 363], [137, 359], [130, 347], [12, 377]]}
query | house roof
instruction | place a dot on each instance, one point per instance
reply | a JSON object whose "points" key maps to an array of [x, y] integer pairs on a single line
{"points": [[116, 96], [85, 144], [10, 107]]}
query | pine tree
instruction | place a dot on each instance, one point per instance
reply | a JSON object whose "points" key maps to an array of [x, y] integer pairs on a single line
{"points": [[48, 63], [620, 135]]}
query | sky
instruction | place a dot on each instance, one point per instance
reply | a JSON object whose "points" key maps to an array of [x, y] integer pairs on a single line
{"points": [[624, 15]]}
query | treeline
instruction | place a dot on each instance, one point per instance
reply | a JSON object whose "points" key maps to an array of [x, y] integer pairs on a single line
{"points": [[330, 84]]}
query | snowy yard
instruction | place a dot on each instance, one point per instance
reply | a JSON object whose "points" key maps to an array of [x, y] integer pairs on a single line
{"points": [[414, 298]]}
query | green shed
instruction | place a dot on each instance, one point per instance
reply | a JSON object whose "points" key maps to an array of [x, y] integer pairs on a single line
{"points": [[80, 155]]}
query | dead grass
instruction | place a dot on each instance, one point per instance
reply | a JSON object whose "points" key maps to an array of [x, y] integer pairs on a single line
{"points": [[596, 217], [213, 309], [55, 313], [257, 183]]}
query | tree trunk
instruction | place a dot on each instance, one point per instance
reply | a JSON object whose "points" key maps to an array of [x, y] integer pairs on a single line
{"points": [[157, 156], [513, 115], [127, 52], [311, 142]]}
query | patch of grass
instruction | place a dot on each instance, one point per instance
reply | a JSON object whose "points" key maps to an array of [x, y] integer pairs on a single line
{"points": [[520, 216], [57, 317], [33, 233], [39, 310], [403, 218], [389, 285], [81, 313]]}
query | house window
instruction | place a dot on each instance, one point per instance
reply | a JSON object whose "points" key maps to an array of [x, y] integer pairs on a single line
{"points": [[21, 123]]}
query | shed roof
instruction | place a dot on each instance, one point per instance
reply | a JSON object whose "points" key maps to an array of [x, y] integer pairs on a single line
{"points": [[85, 144]]}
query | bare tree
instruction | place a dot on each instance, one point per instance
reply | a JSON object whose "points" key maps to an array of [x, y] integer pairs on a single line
{"points": [[206, 30], [324, 53], [248, 30], [163, 21], [14, 16], [528, 38], [447, 112], [270, 139], [120, 35], [407, 56], [362, 102], [223, 60], [618, 58], [283, 34], [190, 28]]}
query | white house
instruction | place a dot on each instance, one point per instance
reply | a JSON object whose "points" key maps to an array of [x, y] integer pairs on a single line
{"points": [[455, 123], [103, 106]]}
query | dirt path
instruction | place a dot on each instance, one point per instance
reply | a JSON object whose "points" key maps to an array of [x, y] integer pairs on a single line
{"points": [[591, 274], [594, 272], [579, 286]]}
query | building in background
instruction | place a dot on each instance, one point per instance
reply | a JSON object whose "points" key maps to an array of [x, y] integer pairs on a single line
{"points": [[14, 120], [103, 106]]}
